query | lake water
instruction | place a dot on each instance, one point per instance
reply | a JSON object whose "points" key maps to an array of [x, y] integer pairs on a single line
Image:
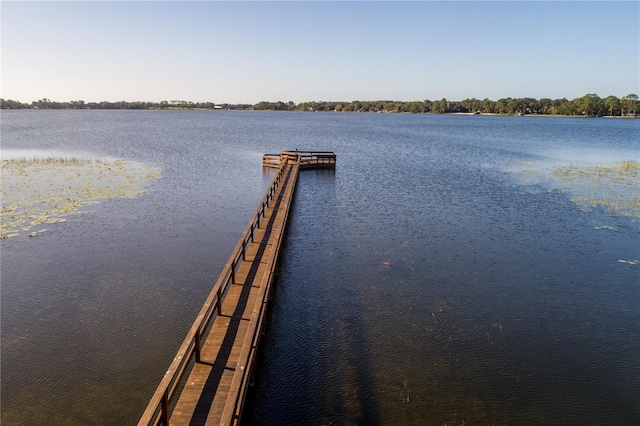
{"points": [[449, 271]]}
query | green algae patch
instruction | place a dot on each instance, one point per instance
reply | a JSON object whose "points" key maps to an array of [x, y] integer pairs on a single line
{"points": [[612, 188], [50, 190]]}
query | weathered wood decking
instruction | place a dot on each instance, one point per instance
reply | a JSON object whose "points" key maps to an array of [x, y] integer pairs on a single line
{"points": [[217, 355]]}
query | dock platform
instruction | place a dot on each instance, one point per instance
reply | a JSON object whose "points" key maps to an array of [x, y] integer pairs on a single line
{"points": [[207, 381]]}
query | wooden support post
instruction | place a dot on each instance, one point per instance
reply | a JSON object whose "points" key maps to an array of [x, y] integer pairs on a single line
{"points": [[233, 272], [219, 300]]}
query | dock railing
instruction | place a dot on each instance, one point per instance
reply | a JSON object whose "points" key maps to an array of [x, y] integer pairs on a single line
{"points": [[272, 160], [315, 159], [158, 409]]}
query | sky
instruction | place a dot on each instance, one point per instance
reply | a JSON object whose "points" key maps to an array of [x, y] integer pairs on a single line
{"points": [[247, 52]]}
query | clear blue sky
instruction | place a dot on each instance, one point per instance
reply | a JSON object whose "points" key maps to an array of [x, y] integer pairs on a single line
{"points": [[245, 52]]}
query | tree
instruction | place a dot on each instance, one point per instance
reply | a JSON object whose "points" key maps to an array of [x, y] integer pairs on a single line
{"points": [[612, 104], [43, 103], [630, 102], [440, 107], [10, 104], [514, 106], [488, 106], [501, 106], [589, 105], [353, 106], [561, 107], [544, 106]]}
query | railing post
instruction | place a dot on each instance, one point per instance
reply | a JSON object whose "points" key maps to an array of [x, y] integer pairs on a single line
{"points": [[219, 300], [164, 409], [233, 272]]}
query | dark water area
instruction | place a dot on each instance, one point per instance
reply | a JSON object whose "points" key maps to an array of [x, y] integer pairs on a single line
{"points": [[422, 282]]}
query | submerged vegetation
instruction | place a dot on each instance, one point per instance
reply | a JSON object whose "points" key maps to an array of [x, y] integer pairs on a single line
{"points": [[48, 190], [612, 188]]}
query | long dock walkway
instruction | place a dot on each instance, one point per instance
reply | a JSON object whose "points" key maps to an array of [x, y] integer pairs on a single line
{"points": [[207, 381]]}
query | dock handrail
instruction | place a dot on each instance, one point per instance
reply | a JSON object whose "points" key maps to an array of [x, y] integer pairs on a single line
{"points": [[325, 159], [271, 160], [157, 410]]}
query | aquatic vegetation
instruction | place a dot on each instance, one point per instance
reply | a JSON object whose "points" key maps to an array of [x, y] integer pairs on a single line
{"points": [[612, 188], [47, 190]]}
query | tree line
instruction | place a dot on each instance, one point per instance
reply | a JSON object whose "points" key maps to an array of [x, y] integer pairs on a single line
{"points": [[590, 105], [45, 103]]}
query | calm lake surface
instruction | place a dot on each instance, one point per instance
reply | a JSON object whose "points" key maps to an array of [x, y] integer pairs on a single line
{"points": [[428, 280]]}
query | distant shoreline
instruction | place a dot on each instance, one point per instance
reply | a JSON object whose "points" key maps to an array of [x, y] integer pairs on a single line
{"points": [[626, 117], [590, 105]]}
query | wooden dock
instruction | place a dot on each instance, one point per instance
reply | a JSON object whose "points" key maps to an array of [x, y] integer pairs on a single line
{"points": [[207, 381]]}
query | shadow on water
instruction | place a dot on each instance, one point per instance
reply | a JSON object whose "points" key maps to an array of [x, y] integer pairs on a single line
{"points": [[356, 402], [302, 385]]}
